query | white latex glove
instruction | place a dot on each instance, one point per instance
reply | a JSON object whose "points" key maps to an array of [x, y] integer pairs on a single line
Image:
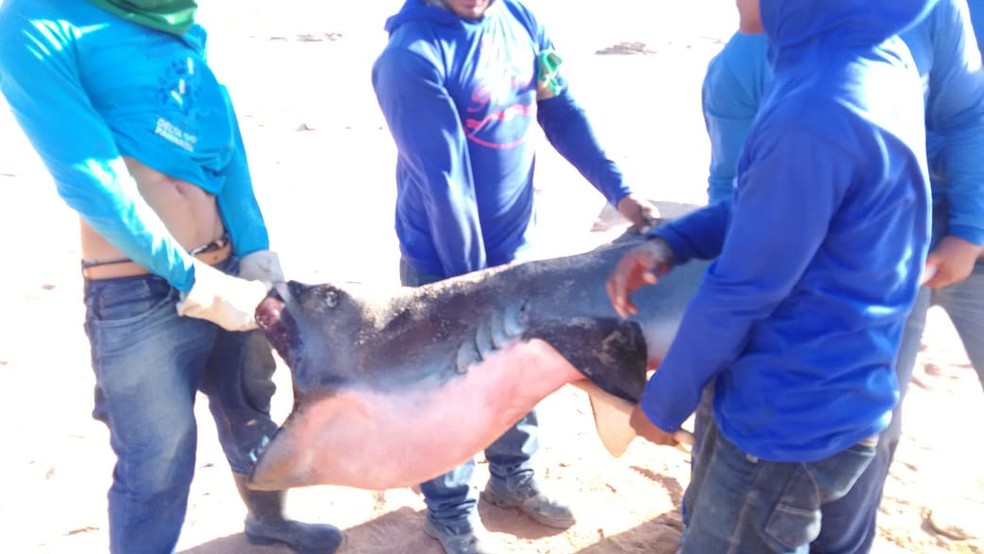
{"points": [[227, 301], [262, 265]]}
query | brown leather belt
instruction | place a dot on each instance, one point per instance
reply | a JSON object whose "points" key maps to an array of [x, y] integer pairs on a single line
{"points": [[212, 253]]}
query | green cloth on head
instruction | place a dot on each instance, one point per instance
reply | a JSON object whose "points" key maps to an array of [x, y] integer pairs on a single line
{"points": [[170, 16]]}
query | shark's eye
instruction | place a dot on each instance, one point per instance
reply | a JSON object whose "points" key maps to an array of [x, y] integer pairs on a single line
{"points": [[331, 298]]}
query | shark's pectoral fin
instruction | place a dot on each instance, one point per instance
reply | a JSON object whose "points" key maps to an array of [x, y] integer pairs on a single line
{"points": [[611, 415], [276, 468], [610, 352], [286, 461]]}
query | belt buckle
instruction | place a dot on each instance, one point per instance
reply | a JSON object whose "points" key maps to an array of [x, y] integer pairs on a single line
{"points": [[217, 244]]}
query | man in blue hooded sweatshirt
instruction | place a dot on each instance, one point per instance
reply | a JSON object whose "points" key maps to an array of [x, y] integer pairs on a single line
{"points": [[461, 83], [818, 260], [142, 141], [949, 61]]}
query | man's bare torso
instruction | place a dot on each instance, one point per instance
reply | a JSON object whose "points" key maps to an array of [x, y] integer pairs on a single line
{"points": [[189, 213]]}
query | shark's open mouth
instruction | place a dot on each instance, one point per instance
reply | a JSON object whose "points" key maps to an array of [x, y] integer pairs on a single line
{"points": [[272, 316], [270, 310]]}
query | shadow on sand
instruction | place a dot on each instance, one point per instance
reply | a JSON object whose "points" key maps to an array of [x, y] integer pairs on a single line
{"points": [[401, 532], [660, 535], [384, 534]]}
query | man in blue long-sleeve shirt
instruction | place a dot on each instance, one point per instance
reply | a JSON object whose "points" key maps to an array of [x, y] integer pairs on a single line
{"points": [[818, 260], [461, 84], [142, 141], [949, 61]]}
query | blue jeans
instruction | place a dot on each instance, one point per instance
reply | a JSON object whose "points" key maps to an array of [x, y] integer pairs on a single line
{"points": [[743, 505], [149, 363], [450, 498]]}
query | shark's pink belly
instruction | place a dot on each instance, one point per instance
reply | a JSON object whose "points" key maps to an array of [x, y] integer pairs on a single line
{"points": [[374, 440]]}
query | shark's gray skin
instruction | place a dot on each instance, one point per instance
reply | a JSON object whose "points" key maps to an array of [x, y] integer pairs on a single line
{"points": [[396, 388]]}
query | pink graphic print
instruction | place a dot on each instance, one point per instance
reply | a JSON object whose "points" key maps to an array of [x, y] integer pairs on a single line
{"points": [[502, 102]]}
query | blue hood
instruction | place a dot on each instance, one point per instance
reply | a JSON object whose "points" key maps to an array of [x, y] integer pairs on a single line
{"points": [[862, 22]]}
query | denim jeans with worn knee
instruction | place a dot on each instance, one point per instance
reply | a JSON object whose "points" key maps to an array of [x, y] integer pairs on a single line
{"points": [[451, 498], [740, 504], [149, 362]]}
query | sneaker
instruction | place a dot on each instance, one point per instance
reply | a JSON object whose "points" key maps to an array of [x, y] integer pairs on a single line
{"points": [[539, 506], [469, 541]]}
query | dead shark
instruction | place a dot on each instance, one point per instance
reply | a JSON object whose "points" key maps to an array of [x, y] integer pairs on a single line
{"points": [[394, 388]]}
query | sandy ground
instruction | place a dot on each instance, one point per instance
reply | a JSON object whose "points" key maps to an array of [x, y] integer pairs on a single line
{"points": [[323, 163]]}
